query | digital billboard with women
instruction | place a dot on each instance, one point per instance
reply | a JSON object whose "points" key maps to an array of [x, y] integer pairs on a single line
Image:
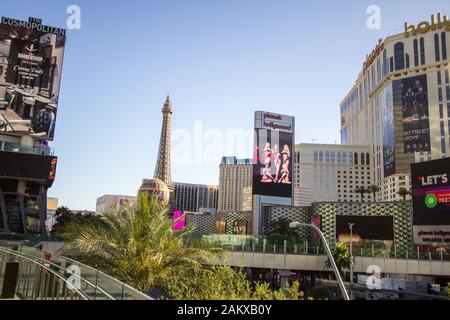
{"points": [[273, 155]]}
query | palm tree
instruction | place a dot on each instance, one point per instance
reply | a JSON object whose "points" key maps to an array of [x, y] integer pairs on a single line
{"points": [[361, 190], [341, 257], [139, 246], [403, 192], [373, 188]]}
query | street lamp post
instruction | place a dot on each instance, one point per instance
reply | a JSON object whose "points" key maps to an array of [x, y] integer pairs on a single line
{"points": [[350, 225], [328, 252]]}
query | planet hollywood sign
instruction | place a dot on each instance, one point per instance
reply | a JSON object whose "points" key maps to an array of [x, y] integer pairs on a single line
{"points": [[425, 26], [373, 55], [276, 122]]}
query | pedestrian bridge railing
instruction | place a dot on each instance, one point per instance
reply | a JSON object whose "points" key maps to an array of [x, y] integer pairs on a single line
{"points": [[34, 280], [373, 250], [92, 283]]}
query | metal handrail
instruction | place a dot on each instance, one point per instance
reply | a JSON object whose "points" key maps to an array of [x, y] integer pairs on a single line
{"points": [[265, 245], [137, 292], [36, 150], [44, 261], [98, 274], [70, 285]]}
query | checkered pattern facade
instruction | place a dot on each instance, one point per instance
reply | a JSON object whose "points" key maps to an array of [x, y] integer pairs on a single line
{"points": [[270, 215], [205, 224], [400, 211]]}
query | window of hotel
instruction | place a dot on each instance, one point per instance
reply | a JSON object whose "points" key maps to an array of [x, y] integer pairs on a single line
{"points": [[416, 53], [320, 156], [350, 158], [443, 145], [365, 90], [327, 157], [439, 78], [367, 159], [316, 157], [339, 157], [391, 64], [240, 227], [378, 70], [385, 71], [444, 46], [360, 97], [221, 227], [407, 61], [333, 159], [399, 54], [344, 157], [422, 51], [373, 75], [355, 159], [436, 47], [363, 160]]}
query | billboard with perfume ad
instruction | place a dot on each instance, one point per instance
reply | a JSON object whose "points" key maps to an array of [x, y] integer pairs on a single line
{"points": [[31, 59]]}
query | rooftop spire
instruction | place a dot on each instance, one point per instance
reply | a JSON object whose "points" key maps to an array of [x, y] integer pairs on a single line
{"points": [[163, 165], [168, 105]]}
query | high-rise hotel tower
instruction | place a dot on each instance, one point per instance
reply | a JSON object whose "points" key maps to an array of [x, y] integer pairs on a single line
{"points": [[400, 103]]}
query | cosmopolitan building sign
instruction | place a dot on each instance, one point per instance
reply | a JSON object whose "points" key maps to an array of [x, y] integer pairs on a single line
{"points": [[33, 24], [31, 60]]}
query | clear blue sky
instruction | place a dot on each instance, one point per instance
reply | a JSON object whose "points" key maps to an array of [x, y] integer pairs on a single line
{"points": [[220, 60]]}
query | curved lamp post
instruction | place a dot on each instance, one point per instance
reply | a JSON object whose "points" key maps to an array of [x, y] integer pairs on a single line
{"points": [[295, 225]]}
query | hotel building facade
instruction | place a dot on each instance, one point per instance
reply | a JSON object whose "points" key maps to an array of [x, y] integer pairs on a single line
{"points": [[330, 172], [400, 104], [235, 174], [109, 203], [196, 197]]}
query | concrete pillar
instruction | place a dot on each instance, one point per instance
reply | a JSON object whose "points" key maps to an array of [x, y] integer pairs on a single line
{"points": [[284, 277], [43, 209], [21, 186], [26, 144]]}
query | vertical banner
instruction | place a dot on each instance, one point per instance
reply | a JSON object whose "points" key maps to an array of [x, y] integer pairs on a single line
{"points": [[388, 131], [179, 220], [411, 96]]}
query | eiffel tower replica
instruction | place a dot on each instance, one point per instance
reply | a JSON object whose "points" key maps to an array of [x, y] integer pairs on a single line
{"points": [[162, 179]]}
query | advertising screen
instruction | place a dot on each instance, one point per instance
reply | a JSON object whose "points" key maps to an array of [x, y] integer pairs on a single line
{"points": [[240, 227], [32, 166], [431, 201], [179, 220], [316, 220], [366, 227], [31, 58], [411, 96], [273, 155]]}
